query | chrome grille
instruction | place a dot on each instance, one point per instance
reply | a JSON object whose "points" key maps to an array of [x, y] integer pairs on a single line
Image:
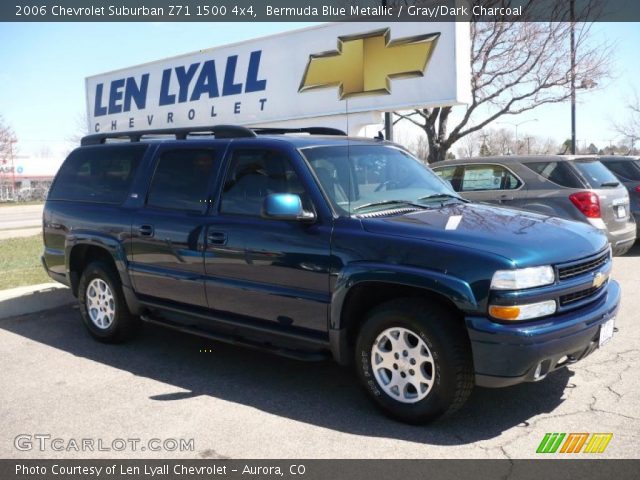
{"points": [[590, 265]]}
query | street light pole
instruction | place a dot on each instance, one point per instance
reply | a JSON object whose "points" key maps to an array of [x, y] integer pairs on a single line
{"points": [[516, 125], [572, 14]]}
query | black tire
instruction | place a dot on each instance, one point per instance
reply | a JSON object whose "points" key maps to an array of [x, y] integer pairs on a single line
{"points": [[122, 325], [451, 370]]}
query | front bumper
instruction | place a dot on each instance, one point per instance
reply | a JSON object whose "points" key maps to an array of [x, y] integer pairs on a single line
{"points": [[507, 354]]}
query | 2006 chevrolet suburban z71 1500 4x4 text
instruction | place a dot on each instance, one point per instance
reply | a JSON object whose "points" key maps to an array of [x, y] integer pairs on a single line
{"points": [[322, 245]]}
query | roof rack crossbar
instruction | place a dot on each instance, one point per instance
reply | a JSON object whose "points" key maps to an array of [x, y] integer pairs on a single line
{"points": [[219, 131], [309, 130]]}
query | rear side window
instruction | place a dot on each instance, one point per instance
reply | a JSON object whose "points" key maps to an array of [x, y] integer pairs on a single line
{"points": [[627, 169], [181, 180], [488, 177], [595, 173], [557, 172], [98, 174]]}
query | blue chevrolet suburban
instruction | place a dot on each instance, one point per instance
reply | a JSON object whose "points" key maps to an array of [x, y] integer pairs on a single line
{"points": [[311, 244]]}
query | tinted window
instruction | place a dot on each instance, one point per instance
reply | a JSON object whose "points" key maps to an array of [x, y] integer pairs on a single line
{"points": [[558, 172], [596, 174], [488, 177], [254, 174], [98, 174], [181, 180], [627, 169]]}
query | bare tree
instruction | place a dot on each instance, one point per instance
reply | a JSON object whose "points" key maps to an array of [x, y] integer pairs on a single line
{"points": [[470, 145], [502, 142], [420, 148], [517, 67], [7, 141], [630, 128], [79, 129]]}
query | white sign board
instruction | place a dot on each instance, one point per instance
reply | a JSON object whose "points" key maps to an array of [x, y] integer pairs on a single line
{"points": [[320, 71]]}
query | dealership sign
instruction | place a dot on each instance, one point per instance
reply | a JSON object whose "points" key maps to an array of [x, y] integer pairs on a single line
{"points": [[327, 70]]}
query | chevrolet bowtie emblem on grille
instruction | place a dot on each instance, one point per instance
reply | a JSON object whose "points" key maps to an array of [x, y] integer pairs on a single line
{"points": [[598, 279], [365, 64]]}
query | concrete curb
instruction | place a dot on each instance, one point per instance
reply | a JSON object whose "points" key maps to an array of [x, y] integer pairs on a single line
{"points": [[33, 298]]}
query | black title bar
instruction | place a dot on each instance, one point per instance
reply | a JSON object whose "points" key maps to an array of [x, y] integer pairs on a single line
{"points": [[582, 469], [315, 10]]}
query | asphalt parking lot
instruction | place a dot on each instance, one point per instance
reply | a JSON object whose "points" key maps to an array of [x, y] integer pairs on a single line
{"points": [[238, 403]]}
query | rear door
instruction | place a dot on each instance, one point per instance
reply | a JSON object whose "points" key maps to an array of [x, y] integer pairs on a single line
{"points": [[614, 198], [168, 231], [490, 183]]}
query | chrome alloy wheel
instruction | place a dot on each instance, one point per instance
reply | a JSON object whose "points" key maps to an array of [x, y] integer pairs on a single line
{"points": [[402, 365], [101, 304]]}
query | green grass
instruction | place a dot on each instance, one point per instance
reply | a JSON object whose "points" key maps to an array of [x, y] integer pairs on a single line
{"points": [[20, 262]]}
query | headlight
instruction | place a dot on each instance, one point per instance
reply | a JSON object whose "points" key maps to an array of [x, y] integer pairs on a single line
{"points": [[523, 312], [523, 278]]}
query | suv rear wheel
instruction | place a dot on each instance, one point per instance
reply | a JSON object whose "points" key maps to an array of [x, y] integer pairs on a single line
{"points": [[102, 304], [414, 359]]}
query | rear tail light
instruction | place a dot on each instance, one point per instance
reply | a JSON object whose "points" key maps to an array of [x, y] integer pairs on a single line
{"points": [[638, 189], [587, 202]]}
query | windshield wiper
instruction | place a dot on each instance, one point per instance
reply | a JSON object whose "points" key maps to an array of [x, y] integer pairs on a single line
{"points": [[610, 184], [442, 195], [390, 202]]}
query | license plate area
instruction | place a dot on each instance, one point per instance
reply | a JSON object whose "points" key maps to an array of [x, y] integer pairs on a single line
{"points": [[621, 211], [606, 331]]}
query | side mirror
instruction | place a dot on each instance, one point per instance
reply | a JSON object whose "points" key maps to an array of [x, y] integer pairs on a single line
{"points": [[285, 206]]}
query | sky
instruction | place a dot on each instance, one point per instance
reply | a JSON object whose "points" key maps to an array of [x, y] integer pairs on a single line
{"points": [[43, 67]]}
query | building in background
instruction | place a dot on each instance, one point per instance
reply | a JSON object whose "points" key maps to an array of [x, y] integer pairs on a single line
{"points": [[27, 178]]}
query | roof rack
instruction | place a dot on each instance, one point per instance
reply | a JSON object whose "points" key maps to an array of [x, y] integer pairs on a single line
{"points": [[309, 130], [218, 131]]}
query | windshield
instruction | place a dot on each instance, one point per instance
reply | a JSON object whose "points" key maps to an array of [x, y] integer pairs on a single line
{"points": [[366, 178]]}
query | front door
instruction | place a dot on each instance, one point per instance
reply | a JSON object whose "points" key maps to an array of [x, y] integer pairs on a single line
{"points": [[272, 271]]}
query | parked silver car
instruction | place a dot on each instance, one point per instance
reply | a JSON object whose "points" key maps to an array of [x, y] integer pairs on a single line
{"points": [[571, 187], [627, 169]]}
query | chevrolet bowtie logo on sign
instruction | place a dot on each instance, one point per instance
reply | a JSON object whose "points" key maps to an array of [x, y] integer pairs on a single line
{"points": [[365, 64], [574, 443]]}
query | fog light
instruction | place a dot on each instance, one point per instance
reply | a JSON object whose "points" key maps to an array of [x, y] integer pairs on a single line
{"points": [[523, 312]]}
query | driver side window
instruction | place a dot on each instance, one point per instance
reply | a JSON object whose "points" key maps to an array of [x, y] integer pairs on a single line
{"points": [[254, 174]]}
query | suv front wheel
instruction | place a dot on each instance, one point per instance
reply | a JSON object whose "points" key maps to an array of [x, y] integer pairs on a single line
{"points": [[102, 305], [414, 359]]}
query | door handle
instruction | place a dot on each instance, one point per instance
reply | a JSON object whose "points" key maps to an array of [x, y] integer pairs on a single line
{"points": [[217, 238], [146, 230]]}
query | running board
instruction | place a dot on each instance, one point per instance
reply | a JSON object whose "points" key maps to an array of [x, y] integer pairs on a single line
{"points": [[233, 340]]}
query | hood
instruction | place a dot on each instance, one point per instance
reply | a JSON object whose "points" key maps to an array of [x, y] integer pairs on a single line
{"points": [[525, 238]]}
